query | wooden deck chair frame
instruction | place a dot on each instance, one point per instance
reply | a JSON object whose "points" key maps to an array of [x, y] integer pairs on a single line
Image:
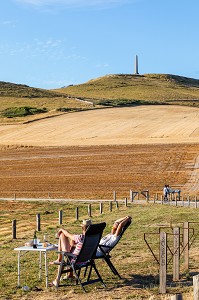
{"points": [[106, 254], [85, 259]]}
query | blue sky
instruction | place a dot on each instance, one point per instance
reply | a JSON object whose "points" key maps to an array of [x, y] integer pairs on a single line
{"points": [[54, 43]]}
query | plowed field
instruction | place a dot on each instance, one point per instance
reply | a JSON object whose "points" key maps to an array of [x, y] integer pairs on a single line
{"points": [[89, 155]]}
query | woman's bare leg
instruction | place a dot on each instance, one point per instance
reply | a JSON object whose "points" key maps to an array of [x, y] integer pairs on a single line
{"points": [[63, 245]]}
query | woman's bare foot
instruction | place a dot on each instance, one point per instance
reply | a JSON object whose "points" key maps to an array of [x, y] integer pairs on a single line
{"points": [[53, 283]]}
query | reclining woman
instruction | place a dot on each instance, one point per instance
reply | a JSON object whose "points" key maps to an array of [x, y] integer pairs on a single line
{"points": [[111, 239], [69, 242]]}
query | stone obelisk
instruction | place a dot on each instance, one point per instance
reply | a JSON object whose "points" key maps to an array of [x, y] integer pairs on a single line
{"points": [[136, 65]]}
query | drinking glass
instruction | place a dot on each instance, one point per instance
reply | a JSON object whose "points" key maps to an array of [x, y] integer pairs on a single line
{"points": [[45, 238]]}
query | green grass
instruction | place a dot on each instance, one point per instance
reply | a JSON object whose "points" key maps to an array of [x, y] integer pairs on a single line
{"points": [[131, 256], [14, 112], [148, 88], [111, 90]]}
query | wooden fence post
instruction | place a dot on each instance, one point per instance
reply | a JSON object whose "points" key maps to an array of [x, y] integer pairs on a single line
{"points": [[77, 213], [126, 203], [14, 229], [114, 196], [186, 244], [146, 195], [163, 262], [182, 200], [116, 204], [110, 206], [176, 253], [89, 210], [38, 219], [176, 200], [196, 287], [196, 204], [131, 195], [188, 201], [60, 217], [101, 207]]}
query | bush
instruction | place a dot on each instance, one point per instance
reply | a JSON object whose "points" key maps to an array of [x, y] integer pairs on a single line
{"points": [[13, 112]]}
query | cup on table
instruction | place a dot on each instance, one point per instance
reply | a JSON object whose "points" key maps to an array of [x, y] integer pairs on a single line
{"points": [[45, 238]]}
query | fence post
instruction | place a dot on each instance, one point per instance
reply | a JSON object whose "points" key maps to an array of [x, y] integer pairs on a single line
{"points": [[176, 253], [101, 207], [116, 204], [196, 287], [38, 219], [89, 210], [146, 195], [77, 213], [110, 206], [196, 204], [182, 200], [114, 195], [60, 217], [126, 203], [14, 229], [186, 244], [163, 262], [176, 200], [131, 195], [188, 200]]}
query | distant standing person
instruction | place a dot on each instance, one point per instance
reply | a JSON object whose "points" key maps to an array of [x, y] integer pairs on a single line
{"points": [[166, 192]]}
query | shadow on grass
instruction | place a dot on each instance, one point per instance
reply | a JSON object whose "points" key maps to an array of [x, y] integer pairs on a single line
{"points": [[139, 281]]}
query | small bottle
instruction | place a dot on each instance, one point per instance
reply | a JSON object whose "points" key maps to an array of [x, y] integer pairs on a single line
{"points": [[35, 240]]}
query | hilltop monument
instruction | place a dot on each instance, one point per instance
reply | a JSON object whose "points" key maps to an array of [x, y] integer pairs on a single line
{"points": [[136, 65]]}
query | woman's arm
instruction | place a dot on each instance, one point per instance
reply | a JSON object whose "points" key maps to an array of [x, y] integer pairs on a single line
{"points": [[122, 222]]}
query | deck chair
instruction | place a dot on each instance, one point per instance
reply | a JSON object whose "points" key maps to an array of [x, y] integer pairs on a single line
{"points": [[85, 259], [106, 253]]}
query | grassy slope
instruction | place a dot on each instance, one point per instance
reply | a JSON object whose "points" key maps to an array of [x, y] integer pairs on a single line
{"points": [[132, 257], [112, 90], [148, 87], [17, 95]]}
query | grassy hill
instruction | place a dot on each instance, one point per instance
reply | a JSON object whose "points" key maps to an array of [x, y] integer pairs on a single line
{"points": [[124, 89], [19, 101]]}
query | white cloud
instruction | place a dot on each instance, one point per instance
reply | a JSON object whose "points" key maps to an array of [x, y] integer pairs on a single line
{"points": [[49, 49], [8, 23], [104, 65], [75, 3]]}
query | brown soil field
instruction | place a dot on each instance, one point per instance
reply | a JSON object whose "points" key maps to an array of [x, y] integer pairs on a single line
{"points": [[89, 155]]}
